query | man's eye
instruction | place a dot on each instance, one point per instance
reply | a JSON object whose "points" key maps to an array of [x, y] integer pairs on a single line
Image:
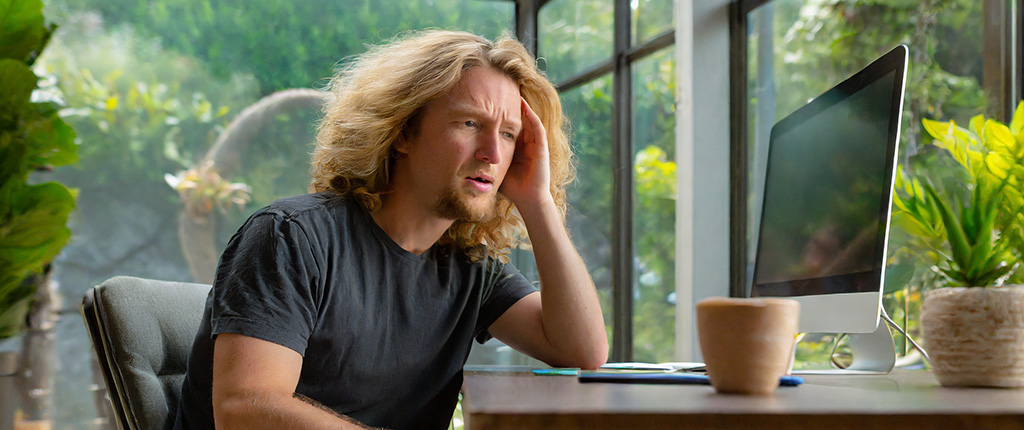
{"points": [[470, 123], [509, 136]]}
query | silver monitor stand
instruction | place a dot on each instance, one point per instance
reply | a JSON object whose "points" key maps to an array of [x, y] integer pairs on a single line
{"points": [[873, 354]]}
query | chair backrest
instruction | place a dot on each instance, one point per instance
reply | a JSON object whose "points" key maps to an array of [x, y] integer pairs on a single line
{"points": [[142, 331]]}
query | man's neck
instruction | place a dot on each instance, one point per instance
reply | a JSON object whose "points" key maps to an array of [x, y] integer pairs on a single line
{"points": [[411, 228]]}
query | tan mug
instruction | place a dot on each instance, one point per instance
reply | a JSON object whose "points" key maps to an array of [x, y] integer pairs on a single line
{"points": [[747, 343]]}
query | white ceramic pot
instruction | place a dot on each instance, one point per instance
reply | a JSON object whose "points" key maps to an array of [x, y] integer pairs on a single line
{"points": [[975, 336]]}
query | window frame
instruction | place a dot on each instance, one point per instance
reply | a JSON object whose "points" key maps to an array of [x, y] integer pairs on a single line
{"points": [[624, 55]]}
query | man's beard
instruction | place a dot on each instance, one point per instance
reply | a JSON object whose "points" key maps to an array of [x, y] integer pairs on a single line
{"points": [[450, 205]]}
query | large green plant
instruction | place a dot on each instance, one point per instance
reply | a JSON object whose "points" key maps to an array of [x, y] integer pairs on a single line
{"points": [[975, 227], [33, 218]]}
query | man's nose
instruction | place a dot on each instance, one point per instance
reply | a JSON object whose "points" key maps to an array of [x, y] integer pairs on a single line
{"points": [[488, 150]]}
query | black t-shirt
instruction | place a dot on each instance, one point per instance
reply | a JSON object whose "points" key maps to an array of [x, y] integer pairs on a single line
{"points": [[383, 333]]}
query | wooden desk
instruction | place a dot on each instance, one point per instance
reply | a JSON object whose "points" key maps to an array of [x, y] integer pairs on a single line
{"points": [[902, 400]]}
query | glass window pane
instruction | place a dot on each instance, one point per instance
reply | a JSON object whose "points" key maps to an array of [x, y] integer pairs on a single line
{"points": [[654, 208], [651, 18], [574, 36], [149, 86], [589, 111], [798, 49]]}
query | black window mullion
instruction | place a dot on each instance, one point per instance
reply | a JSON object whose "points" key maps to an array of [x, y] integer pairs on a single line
{"points": [[663, 40], [633, 54], [587, 75], [526, 23], [1018, 89], [738, 147], [1018, 93], [622, 194], [997, 69]]}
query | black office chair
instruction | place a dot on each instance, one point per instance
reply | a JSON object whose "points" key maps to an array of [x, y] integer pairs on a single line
{"points": [[142, 331]]}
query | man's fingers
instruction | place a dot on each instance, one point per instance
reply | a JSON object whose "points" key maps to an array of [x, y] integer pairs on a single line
{"points": [[532, 122]]}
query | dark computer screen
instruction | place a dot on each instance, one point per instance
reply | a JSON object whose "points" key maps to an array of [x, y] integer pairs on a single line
{"points": [[827, 191]]}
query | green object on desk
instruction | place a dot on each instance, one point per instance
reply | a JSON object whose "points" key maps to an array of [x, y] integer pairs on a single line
{"points": [[570, 371]]}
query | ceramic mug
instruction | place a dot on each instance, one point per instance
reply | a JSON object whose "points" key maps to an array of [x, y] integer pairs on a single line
{"points": [[747, 344]]}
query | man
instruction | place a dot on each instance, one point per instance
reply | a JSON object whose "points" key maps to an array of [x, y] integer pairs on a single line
{"points": [[357, 305]]}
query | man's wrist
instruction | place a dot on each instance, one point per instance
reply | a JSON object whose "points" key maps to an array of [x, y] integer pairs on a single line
{"points": [[537, 208]]}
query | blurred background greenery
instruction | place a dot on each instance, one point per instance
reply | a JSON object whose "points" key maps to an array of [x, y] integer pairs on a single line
{"points": [[149, 86]]}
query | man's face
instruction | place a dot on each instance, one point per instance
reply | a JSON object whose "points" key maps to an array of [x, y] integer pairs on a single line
{"points": [[462, 146]]}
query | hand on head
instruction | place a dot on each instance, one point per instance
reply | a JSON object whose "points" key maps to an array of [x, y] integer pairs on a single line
{"points": [[529, 177]]}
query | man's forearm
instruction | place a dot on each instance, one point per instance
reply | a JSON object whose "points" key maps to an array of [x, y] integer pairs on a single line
{"points": [[264, 411], [570, 310]]}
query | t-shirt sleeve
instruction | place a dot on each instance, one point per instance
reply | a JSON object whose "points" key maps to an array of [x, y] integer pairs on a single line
{"points": [[267, 283], [504, 285]]}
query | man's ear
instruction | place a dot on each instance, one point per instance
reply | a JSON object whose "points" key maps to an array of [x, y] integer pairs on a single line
{"points": [[401, 146], [409, 129]]}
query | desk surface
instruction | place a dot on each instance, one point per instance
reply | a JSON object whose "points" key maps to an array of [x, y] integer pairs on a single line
{"points": [[903, 399]]}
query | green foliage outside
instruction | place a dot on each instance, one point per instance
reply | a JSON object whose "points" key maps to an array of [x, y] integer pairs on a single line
{"points": [[654, 212], [140, 111], [651, 18], [828, 40], [33, 217], [288, 44], [574, 35]]}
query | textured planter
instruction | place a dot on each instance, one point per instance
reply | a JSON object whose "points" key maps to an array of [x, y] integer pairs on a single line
{"points": [[975, 336]]}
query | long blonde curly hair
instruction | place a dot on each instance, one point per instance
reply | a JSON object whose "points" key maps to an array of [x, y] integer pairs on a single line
{"points": [[372, 99]]}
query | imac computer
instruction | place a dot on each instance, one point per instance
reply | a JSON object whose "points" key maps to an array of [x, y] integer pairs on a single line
{"points": [[825, 214]]}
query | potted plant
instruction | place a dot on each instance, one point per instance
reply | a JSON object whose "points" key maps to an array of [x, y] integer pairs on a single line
{"points": [[973, 321], [33, 216]]}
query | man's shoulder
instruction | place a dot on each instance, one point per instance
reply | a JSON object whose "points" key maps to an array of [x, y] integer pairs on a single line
{"points": [[316, 204]]}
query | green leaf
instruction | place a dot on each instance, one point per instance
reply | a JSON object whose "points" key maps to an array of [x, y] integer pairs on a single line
{"points": [[16, 91], [35, 230], [981, 251], [958, 141], [938, 130], [22, 29], [913, 225], [1017, 123], [998, 138], [12, 166], [954, 231], [50, 140], [898, 201], [13, 312], [896, 277], [978, 125], [999, 165]]}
